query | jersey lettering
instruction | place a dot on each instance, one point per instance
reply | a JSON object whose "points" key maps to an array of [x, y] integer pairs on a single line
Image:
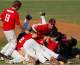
{"points": [[7, 17], [21, 39]]}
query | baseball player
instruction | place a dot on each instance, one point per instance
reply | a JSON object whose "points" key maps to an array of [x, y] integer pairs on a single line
{"points": [[19, 54], [30, 47], [35, 50], [47, 28], [26, 24], [10, 18]]}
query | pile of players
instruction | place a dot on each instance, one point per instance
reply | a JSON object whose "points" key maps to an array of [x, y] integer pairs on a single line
{"points": [[40, 42]]}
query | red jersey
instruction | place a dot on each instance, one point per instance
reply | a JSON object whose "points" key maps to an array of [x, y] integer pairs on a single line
{"points": [[9, 17], [44, 29], [22, 40], [52, 45]]}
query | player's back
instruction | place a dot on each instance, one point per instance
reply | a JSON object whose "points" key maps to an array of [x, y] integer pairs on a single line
{"points": [[8, 17], [22, 40], [44, 29]]}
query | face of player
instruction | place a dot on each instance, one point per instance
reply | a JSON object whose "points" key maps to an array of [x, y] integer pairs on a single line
{"points": [[17, 8], [50, 26]]}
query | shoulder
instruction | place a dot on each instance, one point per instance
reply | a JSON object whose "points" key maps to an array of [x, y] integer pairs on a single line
{"points": [[4, 9]]}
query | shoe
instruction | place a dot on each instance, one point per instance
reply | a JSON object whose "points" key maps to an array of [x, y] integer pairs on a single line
{"points": [[47, 63], [42, 13], [78, 56], [69, 62], [1, 58], [4, 56], [61, 62], [8, 61], [60, 58]]}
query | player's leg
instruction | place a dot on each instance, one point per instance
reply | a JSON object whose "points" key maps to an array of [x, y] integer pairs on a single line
{"points": [[11, 37], [33, 49], [50, 52], [17, 57], [43, 21], [30, 56], [53, 54], [28, 48], [42, 16], [10, 48], [4, 49], [41, 53]]}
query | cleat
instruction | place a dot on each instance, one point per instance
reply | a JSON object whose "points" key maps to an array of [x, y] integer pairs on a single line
{"points": [[42, 13], [60, 58], [61, 62], [47, 63], [1, 58], [69, 62], [4, 56]]}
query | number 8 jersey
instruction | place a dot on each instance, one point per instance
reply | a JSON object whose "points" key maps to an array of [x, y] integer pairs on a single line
{"points": [[9, 17]]}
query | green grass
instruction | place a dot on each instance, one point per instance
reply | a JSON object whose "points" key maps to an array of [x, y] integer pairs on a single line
{"points": [[63, 10]]}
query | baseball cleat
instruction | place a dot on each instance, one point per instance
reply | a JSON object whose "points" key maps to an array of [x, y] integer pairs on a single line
{"points": [[61, 62], [1, 58], [42, 13], [4, 56]]}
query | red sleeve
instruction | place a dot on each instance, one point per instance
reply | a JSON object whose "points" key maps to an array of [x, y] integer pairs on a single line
{"points": [[39, 28], [42, 29], [17, 19]]}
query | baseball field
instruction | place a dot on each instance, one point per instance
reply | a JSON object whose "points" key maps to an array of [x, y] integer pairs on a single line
{"points": [[66, 13]]}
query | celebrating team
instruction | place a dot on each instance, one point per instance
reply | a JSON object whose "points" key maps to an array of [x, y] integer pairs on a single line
{"points": [[38, 42]]}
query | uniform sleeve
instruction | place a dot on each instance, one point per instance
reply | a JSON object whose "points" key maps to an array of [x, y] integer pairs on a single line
{"points": [[17, 19], [40, 28], [34, 28], [37, 28]]}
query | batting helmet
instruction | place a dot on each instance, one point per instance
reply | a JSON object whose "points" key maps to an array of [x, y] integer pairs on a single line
{"points": [[28, 17]]}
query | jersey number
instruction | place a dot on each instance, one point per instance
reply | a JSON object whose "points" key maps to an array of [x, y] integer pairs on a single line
{"points": [[7, 17]]}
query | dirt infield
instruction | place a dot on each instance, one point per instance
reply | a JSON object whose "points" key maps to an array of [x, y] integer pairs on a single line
{"points": [[67, 28]]}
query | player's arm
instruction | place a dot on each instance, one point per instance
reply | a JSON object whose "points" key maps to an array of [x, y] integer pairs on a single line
{"points": [[34, 27], [17, 20], [34, 35], [0, 21]]}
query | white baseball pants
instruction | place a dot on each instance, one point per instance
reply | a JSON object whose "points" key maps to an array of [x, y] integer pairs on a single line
{"points": [[10, 46], [38, 51]]}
